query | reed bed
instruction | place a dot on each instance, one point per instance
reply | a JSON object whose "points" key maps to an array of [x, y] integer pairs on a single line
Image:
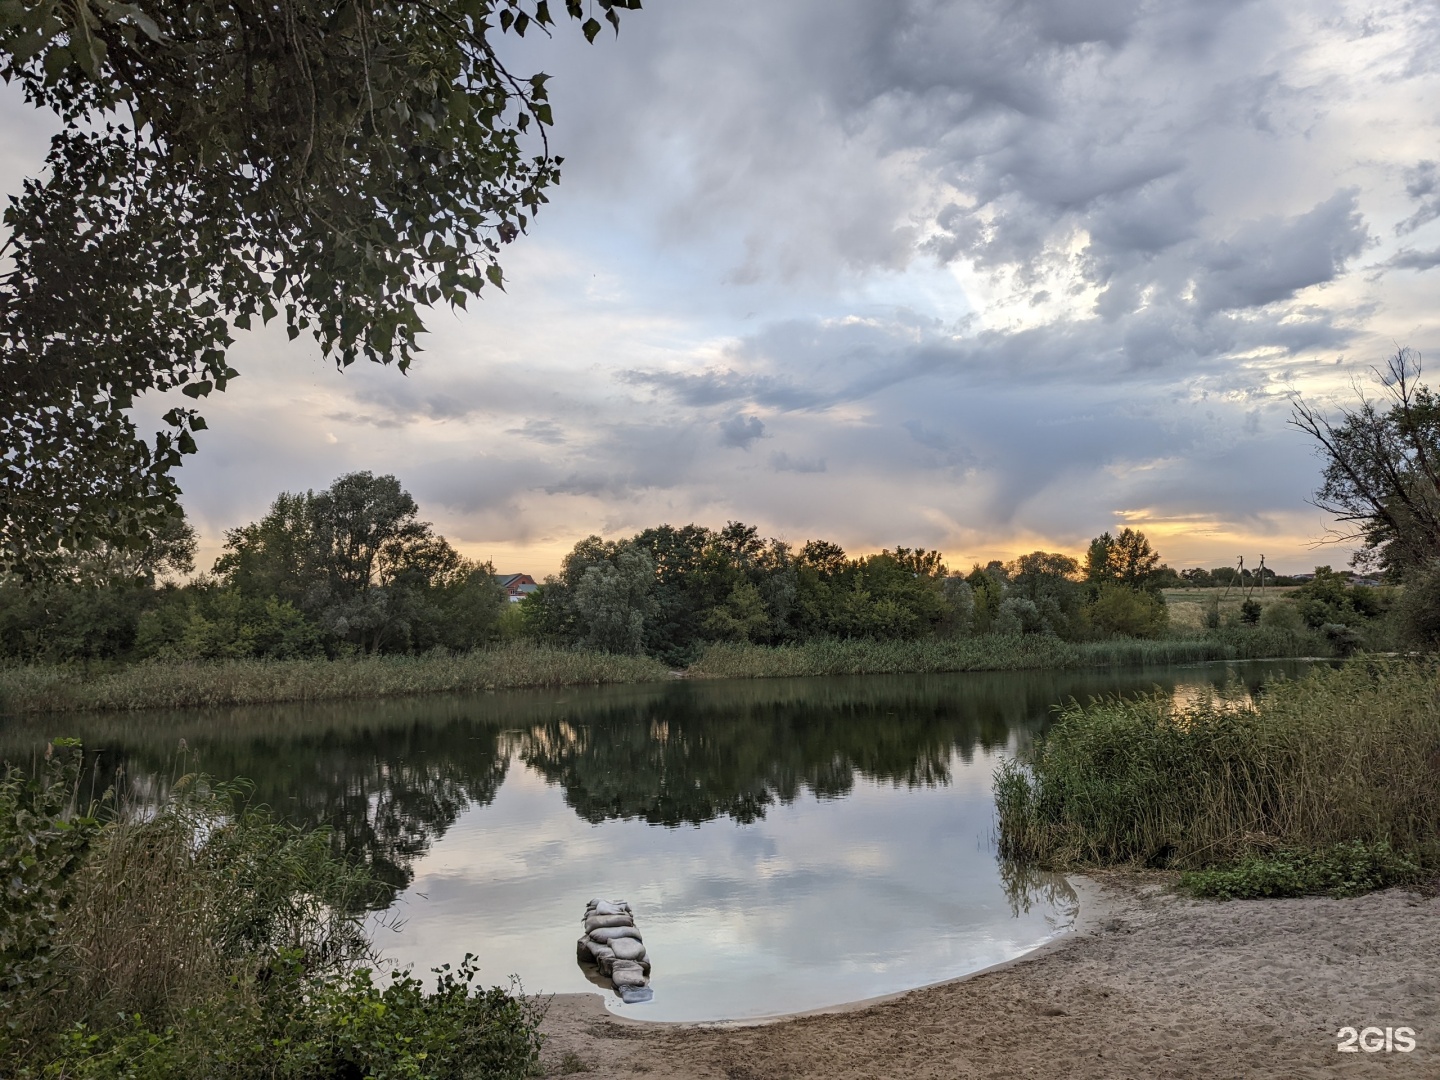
{"points": [[986, 653], [1340, 757], [160, 685]]}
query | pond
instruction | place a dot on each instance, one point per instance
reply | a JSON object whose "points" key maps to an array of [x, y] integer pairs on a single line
{"points": [[785, 844]]}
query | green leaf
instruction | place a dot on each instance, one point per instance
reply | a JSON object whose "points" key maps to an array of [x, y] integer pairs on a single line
{"points": [[590, 28]]}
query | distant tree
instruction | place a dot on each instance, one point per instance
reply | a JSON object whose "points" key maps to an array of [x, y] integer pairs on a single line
{"points": [[827, 559], [1018, 615], [989, 583], [960, 603], [1047, 581], [1381, 478], [358, 561], [1126, 559], [614, 599], [1197, 577]]}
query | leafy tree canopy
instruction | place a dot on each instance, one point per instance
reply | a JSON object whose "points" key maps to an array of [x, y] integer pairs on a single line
{"points": [[338, 164], [1126, 559]]}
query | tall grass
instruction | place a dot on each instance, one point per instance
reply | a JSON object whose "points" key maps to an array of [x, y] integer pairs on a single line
{"points": [[989, 652], [161, 685], [1338, 757]]}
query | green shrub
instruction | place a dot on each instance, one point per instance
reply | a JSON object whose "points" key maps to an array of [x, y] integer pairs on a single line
{"points": [[1340, 870], [1417, 612], [1129, 612], [307, 1029], [1282, 615]]}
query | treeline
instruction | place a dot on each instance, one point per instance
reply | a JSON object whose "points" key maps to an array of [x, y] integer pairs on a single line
{"points": [[351, 569], [670, 592]]}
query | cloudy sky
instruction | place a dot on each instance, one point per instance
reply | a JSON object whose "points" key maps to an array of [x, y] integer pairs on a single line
{"points": [[983, 275]]}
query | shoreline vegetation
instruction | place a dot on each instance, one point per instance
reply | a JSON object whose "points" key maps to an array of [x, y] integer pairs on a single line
{"points": [[1324, 785], [166, 684]]}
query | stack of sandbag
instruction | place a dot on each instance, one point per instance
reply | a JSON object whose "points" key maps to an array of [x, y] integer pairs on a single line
{"points": [[612, 944]]}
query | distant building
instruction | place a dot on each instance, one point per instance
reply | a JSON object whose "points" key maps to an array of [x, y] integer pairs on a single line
{"points": [[517, 586]]}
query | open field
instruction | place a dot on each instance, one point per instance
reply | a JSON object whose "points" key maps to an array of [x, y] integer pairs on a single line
{"points": [[1151, 985], [1188, 606]]}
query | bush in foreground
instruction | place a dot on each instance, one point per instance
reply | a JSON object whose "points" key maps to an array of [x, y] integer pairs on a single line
{"points": [[1340, 757], [204, 942]]}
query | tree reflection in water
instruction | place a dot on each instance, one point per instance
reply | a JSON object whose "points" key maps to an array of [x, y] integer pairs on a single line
{"points": [[390, 777]]}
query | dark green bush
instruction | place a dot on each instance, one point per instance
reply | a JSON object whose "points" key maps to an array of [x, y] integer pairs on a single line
{"points": [[1341, 870], [307, 1029]]}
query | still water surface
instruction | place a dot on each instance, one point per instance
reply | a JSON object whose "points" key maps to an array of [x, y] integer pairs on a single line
{"points": [[786, 844]]}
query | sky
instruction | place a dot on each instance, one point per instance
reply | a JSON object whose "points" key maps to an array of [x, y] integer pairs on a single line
{"points": [[982, 276]]}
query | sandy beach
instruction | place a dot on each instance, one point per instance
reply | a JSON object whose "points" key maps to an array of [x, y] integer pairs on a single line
{"points": [[1149, 984]]}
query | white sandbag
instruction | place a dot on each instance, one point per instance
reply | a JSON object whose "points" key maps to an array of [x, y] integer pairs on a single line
{"points": [[607, 934], [607, 907], [628, 949], [634, 995], [627, 973], [598, 922], [597, 953]]}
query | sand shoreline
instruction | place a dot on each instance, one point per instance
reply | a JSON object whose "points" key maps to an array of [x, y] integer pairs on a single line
{"points": [[1148, 983]]}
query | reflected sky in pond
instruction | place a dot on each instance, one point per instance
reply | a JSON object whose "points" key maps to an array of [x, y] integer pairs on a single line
{"points": [[786, 844], [823, 900]]}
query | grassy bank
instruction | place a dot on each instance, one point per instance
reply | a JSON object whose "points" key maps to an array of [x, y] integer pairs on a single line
{"points": [[182, 685], [156, 685], [1326, 780], [991, 653]]}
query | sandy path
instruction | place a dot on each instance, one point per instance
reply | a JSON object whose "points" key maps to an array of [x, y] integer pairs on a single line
{"points": [[1154, 985]]}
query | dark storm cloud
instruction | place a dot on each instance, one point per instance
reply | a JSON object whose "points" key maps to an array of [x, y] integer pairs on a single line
{"points": [[740, 431], [1271, 260]]}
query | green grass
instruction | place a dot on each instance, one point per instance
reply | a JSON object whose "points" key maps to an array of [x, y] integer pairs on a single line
{"points": [[1339, 757], [990, 653], [159, 685]]}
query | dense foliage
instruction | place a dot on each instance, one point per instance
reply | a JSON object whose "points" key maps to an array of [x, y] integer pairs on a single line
{"points": [[671, 591], [204, 939], [348, 569], [338, 165]]}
